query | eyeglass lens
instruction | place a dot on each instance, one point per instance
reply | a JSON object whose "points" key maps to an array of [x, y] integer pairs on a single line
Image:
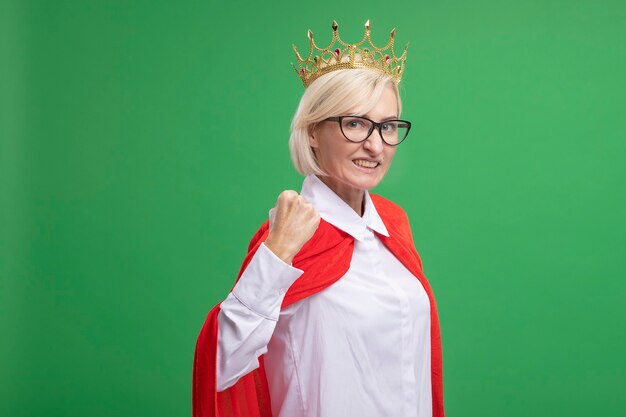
{"points": [[357, 129]]}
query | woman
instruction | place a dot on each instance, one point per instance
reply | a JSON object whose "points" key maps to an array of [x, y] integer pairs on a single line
{"points": [[331, 314]]}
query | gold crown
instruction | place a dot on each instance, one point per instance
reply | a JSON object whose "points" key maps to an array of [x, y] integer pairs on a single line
{"points": [[349, 56]]}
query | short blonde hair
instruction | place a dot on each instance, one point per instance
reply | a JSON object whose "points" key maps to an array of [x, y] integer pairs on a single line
{"points": [[333, 94]]}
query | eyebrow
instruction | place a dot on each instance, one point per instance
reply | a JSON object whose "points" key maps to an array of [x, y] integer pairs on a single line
{"points": [[394, 117]]}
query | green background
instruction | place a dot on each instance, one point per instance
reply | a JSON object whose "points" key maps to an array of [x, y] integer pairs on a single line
{"points": [[143, 143]]}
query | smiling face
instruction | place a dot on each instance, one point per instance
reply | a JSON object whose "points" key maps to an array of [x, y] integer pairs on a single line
{"points": [[352, 167]]}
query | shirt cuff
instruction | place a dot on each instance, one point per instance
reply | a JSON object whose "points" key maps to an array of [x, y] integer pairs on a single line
{"points": [[264, 283]]}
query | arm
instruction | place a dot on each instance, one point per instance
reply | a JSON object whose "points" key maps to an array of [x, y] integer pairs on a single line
{"points": [[248, 316]]}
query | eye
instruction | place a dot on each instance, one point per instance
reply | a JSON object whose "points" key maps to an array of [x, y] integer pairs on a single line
{"points": [[354, 124], [390, 127]]}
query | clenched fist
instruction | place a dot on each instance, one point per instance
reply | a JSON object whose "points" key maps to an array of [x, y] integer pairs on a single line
{"points": [[293, 222]]}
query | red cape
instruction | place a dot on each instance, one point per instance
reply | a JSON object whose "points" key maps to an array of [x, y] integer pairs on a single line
{"points": [[324, 259]]}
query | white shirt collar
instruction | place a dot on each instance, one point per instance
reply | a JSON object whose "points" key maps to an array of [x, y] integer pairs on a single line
{"points": [[338, 213]]}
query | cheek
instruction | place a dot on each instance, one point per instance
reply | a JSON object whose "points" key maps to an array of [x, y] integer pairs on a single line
{"points": [[322, 143], [390, 154], [331, 149]]}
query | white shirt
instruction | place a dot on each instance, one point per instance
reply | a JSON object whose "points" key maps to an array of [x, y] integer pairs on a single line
{"points": [[360, 347]]}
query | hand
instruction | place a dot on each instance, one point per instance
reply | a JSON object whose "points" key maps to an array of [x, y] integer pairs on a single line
{"points": [[293, 222]]}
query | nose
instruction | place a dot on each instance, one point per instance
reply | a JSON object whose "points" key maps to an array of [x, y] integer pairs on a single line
{"points": [[374, 143]]}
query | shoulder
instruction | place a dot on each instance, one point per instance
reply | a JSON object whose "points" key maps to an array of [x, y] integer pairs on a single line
{"points": [[395, 218], [387, 208]]}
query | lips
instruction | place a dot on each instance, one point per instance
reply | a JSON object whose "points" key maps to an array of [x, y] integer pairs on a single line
{"points": [[364, 163]]}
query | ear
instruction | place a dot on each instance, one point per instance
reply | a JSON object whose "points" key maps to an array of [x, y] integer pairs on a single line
{"points": [[313, 141], [313, 137]]}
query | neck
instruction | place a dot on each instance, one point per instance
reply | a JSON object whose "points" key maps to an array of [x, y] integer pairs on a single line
{"points": [[353, 197]]}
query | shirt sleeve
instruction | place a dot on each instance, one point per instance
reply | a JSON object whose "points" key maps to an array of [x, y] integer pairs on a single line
{"points": [[248, 315]]}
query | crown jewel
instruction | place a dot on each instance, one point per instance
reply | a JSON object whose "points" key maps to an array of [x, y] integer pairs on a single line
{"points": [[347, 55]]}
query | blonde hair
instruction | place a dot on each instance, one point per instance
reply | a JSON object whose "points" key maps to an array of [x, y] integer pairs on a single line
{"points": [[333, 94]]}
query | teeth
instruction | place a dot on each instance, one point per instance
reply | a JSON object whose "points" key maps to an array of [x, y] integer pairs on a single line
{"points": [[366, 164]]}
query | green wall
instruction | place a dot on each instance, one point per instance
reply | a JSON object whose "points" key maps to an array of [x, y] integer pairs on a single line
{"points": [[143, 142]]}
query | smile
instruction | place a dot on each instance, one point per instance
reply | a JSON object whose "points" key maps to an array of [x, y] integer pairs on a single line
{"points": [[365, 164]]}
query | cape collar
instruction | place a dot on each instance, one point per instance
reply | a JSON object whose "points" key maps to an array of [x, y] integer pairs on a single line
{"points": [[338, 213]]}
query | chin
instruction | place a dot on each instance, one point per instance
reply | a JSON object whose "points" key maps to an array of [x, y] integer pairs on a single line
{"points": [[356, 180], [366, 183]]}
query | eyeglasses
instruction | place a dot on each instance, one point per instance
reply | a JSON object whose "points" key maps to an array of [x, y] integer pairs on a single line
{"points": [[358, 129]]}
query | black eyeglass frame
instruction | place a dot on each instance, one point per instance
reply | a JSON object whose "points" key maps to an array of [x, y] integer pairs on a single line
{"points": [[375, 125]]}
